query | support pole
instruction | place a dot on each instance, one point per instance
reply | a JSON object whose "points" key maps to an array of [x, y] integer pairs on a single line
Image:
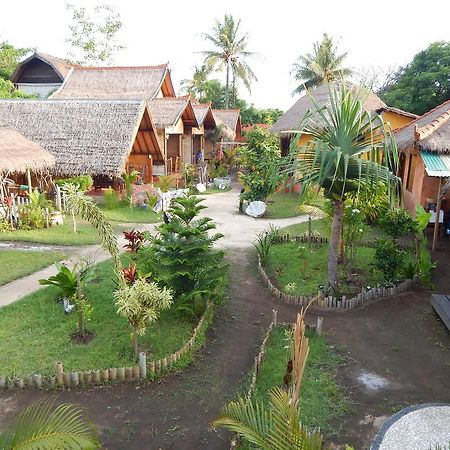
{"points": [[438, 213], [29, 181], [319, 326]]}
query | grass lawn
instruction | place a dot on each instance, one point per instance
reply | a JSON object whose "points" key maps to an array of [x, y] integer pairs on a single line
{"points": [[35, 333], [321, 398], [214, 190], [282, 205], [58, 235], [133, 215], [307, 267], [21, 262]]}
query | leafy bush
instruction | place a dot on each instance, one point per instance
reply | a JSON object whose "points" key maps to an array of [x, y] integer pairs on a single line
{"points": [[152, 199], [85, 182], [111, 198], [189, 174], [354, 229], [265, 240], [397, 222], [181, 256], [373, 202], [217, 170], [389, 259], [33, 215], [164, 183], [260, 160]]}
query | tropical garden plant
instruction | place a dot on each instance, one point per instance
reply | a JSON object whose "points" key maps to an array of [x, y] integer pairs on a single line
{"points": [[181, 256], [323, 65], [349, 150], [260, 162], [42, 426], [230, 54]]}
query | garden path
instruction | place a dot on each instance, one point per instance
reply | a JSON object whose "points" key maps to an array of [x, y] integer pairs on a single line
{"points": [[239, 232]]}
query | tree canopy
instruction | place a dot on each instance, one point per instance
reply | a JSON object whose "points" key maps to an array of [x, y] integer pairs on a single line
{"points": [[324, 64], [424, 83], [9, 58]]}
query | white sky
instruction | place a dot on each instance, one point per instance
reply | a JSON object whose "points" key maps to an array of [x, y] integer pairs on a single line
{"points": [[381, 33]]}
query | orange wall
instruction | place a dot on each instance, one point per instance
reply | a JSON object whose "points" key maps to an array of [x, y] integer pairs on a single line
{"points": [[395, 120], [141, 161]]}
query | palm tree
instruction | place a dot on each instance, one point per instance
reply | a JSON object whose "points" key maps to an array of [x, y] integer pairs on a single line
{"points": [[196, 85], [323, 65], [41, 426], [229, 54], [350, 150]]}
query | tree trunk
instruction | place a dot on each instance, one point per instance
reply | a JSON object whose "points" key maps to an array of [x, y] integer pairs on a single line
{"points": [[227, 86], [135, 341], [74, 222], [333, 255]]}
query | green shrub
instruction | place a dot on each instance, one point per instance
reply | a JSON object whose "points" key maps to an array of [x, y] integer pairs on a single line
{"points": [[181, 256], [164, 183], [111, 198], [85, 182], [397, 222], [389, 259]]}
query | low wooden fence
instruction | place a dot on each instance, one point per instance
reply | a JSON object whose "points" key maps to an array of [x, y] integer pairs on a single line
{"points": [[333, 302], [141, 371]]}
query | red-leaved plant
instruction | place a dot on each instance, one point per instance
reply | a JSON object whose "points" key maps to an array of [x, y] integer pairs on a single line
{"points": [[135, 239]]}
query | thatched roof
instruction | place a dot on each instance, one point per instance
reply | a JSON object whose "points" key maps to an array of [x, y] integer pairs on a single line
{"points": [[429, 132], [59, 65], [168, 110], [139, 83], [291, 119], [230, 117], [204, 115], [18, 154], [85, 136]]}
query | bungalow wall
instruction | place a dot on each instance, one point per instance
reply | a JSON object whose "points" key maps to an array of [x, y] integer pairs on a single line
{"points": [[395, 120]]}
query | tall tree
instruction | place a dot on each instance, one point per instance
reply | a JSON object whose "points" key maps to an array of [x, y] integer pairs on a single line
{"points": [[94, 34], [424, 83], [229, 54], [350, 151], [323, 65], [197, 85], [9, 58]]}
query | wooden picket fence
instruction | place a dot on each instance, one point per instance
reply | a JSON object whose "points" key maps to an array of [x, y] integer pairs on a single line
{"points": [[140, 371], [333, 302]]}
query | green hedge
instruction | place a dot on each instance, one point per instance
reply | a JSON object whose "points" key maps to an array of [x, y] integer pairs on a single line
{"points": [[84, 181]]}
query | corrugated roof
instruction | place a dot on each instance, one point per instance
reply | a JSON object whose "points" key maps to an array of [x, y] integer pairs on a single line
{"points": [[292, 118], [436, 164], [137, 83]]}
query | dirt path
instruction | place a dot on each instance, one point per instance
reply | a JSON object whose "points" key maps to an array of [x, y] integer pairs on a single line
{"points": [[176, 412]]}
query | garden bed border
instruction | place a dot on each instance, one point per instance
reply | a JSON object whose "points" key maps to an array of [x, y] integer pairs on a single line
{"points": [[143, 371], [330, 302]]}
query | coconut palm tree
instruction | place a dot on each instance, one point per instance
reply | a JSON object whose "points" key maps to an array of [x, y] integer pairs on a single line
{"points": [[230, 53], [196, 85], [323, 65], [349, 150], [41, 426]]}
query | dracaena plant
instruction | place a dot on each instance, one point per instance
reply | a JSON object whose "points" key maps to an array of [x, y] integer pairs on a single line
{"points": [[134, 240]]}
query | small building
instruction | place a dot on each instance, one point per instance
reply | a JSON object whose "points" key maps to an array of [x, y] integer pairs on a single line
{"points": [[424, 146], [40, 74], [232, 119], [20, 159], [204, 134], [102, 138], [127, 83], [175, 120], [291, 120]]}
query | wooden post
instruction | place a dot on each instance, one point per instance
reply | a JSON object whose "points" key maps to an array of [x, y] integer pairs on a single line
{"points": [[59, 373], [438, 212], [113, 374], [38, 380], [319, 326], [30, 189], [143, 365]]}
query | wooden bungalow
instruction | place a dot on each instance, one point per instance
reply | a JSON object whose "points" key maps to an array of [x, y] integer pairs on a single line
{"points": [[203, 135], [290, 121], [40, 74], [102, 138], [175, 120], [424, 146], [139, 83], [20, 158]]}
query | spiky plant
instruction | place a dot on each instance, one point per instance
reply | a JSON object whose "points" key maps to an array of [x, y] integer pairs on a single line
{"points": [[42, 426]]}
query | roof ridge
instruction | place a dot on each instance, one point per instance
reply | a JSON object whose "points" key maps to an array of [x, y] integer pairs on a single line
{"points": [[426, 130], [158, 66], [424, 115]]}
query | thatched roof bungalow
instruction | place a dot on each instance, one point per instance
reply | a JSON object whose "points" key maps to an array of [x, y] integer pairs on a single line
{"points": [[424, 146], [19, 154], [204, 135], [96, 137], [138, 83], [175, 119], [40, 74], [231, 118]]}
